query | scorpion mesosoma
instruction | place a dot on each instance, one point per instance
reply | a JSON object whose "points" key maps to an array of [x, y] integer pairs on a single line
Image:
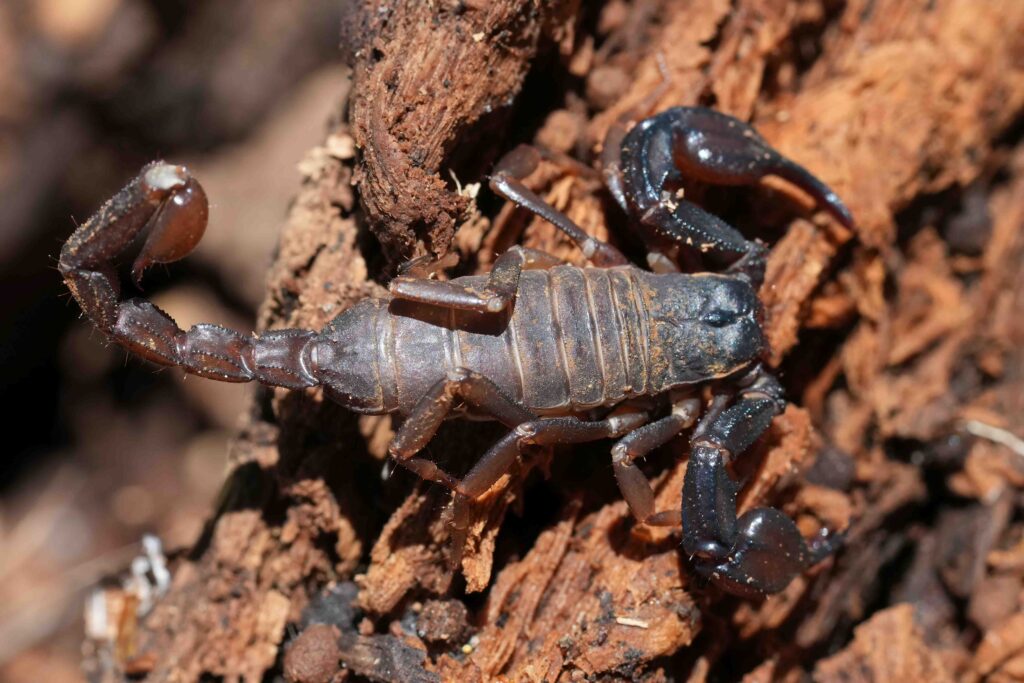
{"points": [[559, 354]]}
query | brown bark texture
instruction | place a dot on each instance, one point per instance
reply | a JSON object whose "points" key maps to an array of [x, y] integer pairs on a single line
{"points": [[899, 343]]}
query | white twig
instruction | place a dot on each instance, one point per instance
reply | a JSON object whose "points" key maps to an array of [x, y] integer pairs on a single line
{"points": [[996, 435]]}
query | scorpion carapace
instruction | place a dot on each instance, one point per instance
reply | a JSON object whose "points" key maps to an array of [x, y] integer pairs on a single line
{"points": [[557, 353]]}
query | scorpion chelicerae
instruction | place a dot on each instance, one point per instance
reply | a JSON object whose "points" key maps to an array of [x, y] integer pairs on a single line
{"points": [[559, 354]]}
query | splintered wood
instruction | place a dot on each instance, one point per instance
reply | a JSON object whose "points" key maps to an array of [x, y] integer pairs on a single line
{"points": [[416, 93], [888, 647], [892, 340]]}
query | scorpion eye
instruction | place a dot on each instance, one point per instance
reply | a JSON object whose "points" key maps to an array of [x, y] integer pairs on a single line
{"points": [[720, 317]]}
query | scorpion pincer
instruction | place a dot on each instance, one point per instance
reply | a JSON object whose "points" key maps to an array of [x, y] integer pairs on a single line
{"points": [[557, 353]]}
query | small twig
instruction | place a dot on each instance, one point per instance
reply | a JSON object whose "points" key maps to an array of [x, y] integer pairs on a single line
{"points": [[996, 435]]}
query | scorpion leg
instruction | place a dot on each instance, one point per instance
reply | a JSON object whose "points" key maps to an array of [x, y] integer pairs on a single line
{"points": [[507, 182], [427, 265], [484, 396], [422, 424], [545, 431], [760, 552], [495, 296], [635, 487]]}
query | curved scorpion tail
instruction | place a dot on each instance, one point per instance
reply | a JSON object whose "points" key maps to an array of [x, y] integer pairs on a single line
{"points": [[168, 201]]}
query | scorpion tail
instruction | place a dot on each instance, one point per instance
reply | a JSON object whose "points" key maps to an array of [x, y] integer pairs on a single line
{"points": [[173, 205]]}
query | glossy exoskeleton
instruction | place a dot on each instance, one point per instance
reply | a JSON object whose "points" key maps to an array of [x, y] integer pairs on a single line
{"points": [[557, 353]]}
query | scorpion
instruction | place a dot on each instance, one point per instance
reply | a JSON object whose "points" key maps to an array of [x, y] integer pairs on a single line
{"points": [[557, 353]]}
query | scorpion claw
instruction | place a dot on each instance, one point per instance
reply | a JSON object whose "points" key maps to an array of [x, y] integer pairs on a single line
{"points": [[718, 148], [809, 183], [768, 552], [694, 143]]}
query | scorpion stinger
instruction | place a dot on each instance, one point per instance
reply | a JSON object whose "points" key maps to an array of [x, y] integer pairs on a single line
{"points": [[172, 204], [178, 223]]}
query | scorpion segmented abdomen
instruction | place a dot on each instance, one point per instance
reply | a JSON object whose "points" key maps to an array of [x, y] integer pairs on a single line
{"points": [[414, 355], [576, 324], [628, 317], [576, 338], [614, 308], [578, 335], [535, 343], [346, 359]]}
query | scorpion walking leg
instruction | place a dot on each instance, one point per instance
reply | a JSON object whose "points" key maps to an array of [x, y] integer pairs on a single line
{"points": [[424, 266], [635, 487], [484, 396], [419, 428], [763, 550], [541, 432], [493, 297], [548, 431], [506, 182]]}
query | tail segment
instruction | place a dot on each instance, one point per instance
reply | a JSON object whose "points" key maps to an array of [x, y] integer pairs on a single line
{"points": [[173, 205]]}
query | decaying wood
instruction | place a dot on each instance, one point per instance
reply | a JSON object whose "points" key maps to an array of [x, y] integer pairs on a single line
{"points": [[889, 647], [890, 339], [427, 73]]}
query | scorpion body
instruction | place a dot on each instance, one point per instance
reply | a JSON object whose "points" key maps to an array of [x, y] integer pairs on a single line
{"points": [[577, 339], [559, 354]]}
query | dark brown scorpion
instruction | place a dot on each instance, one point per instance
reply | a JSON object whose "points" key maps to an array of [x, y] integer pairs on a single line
{"points": [[557, 353]]}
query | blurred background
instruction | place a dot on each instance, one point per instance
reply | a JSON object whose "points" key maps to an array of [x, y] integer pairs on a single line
{"points": [[101, 449]]}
